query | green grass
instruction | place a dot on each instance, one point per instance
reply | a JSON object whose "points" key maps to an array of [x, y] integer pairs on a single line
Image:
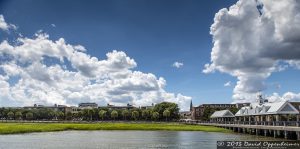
{"points": [[13, 128]]}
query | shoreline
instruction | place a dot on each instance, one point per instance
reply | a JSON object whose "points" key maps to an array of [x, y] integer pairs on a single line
{"points": [[7, 128]]}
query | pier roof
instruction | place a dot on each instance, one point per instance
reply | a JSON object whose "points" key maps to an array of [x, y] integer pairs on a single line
{"points": [[281, 107], [222, 113]]}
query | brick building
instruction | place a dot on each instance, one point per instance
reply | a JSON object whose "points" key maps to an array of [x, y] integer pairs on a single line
{"points": [[197, 113]]}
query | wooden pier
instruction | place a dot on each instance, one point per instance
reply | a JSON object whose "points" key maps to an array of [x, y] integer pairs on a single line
{"points": [[287, 130]]}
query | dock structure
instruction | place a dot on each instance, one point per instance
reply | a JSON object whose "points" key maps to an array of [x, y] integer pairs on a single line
{"points": [[287, 130], [277, 119], [221, 116]]}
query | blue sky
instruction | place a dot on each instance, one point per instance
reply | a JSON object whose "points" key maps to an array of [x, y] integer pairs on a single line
{"points": [[153, 33]]}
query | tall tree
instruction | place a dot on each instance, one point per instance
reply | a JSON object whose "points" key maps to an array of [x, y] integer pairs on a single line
{"points": [[114, 114], [125, 114], [88, 114], [52, 115], [18, 115], [10, 115], [102, 114], [135, 115], [172, 107], [29, 116], [145, 114], [207, 113], [155, 116], [166, 114], [60, 115]]}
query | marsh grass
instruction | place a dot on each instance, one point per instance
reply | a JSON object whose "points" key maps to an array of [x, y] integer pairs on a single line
{"points": [[14, 128]]}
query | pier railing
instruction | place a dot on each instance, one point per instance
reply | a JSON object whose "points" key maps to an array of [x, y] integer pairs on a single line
{"points": [[268, 123]]}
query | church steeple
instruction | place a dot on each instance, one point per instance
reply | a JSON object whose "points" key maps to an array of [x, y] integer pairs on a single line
{"points": [[191, 106]]}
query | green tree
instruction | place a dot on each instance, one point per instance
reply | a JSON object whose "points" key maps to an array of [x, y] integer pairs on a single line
{"points": [[114, 114], [166, 114], [44, 113], [145, 114], [10, 115], [155, 116], [60, 115], [207, 113], [79, 115], [233, 110], [88, 114], [2, 115], [52, 115], [135, 115], [18, 115], [29, 116], [172, 107], [125, 114], [102, 114]]}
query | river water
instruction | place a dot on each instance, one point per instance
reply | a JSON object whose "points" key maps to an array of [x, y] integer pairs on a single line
{"points": [[120, 139]]}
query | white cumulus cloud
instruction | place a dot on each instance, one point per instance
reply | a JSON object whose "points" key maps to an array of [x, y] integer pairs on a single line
{"points": [[5, 26], [43, 71], [227, 84], [177, 64], [252, 39]]}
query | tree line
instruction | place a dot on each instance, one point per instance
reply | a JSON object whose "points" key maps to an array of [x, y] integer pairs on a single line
{"points": [[165, 111]]}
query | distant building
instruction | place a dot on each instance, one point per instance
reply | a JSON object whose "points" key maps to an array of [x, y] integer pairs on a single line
{"points": [[239, 105], [113, 107], [185, 115], [88, 105], [75, 110], [197, 113], [147, 107], [55, 107]]}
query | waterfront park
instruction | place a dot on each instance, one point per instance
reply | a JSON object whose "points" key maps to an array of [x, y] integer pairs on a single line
{"points": [[163, 116]]}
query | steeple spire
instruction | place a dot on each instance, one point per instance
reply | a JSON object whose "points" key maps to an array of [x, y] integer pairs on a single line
{"points": [[191, 105]]}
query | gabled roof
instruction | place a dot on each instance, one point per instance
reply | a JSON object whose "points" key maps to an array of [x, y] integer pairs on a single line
{"points": [[222, 113], [282, 107]]}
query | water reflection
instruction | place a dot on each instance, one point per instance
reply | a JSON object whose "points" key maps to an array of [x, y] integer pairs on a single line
{"points": [[120, 139]]}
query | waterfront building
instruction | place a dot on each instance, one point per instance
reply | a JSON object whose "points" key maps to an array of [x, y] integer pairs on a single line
{"points": [[197, 113], [264, 111], [276, 119], [222, 116], [75, 109]]}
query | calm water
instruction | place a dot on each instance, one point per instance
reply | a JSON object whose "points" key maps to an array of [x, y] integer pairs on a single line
{"points": [[119, 139]]}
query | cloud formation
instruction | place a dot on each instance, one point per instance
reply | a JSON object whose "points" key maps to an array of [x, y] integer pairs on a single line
{"points": [[43, 71], [177, 64], [5, 26], [252, 39], [227, 84]]}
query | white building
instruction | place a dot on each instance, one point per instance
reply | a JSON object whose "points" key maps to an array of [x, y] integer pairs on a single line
{"points": [[264, 111], [222, 116]]}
